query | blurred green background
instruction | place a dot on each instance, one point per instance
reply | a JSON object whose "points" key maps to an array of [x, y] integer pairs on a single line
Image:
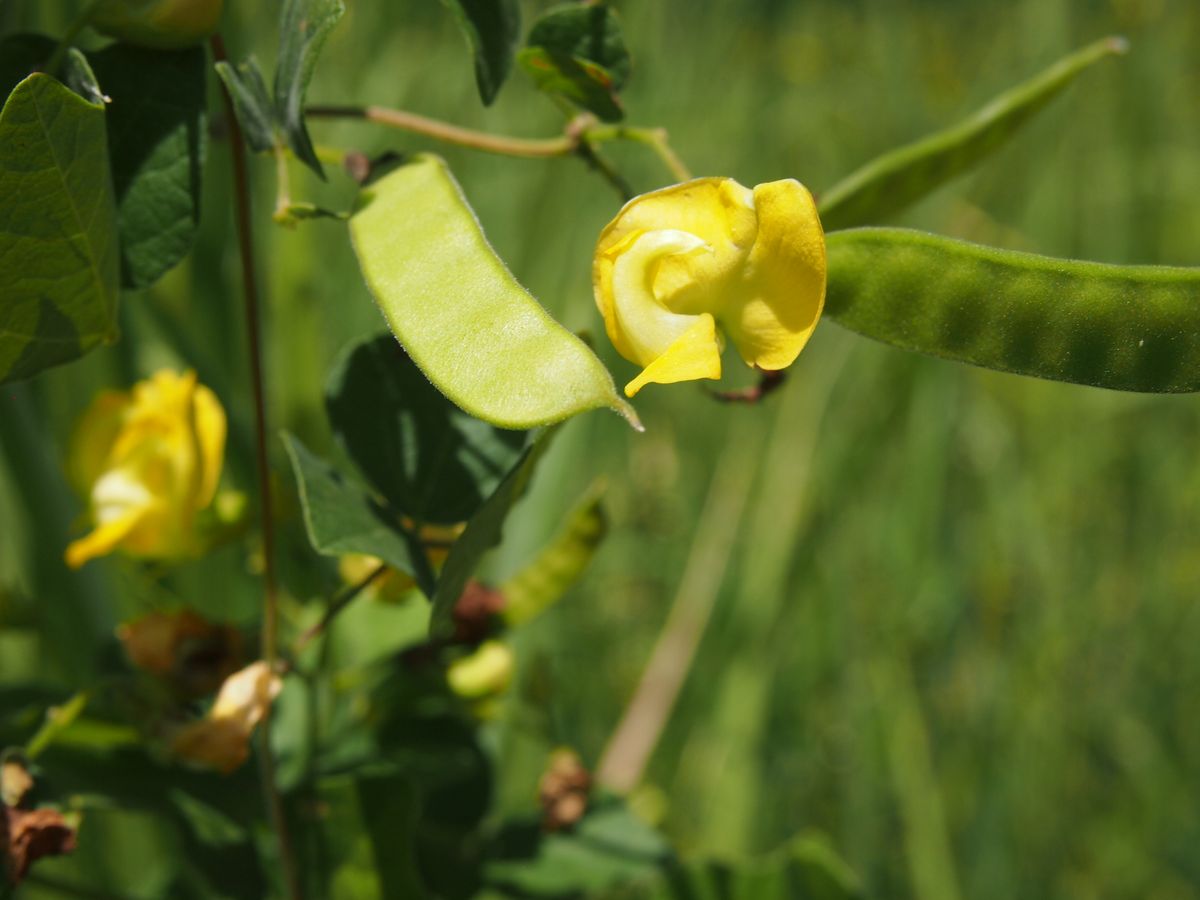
{"points": [[956, 619]]}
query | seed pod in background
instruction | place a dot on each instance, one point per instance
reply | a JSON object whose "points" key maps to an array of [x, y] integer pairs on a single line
{"points": [[161, 24]]}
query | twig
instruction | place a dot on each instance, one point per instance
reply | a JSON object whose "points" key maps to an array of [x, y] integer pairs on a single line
{"points": [[270, 630], [635, 737], [580, 137], [336, 605]]}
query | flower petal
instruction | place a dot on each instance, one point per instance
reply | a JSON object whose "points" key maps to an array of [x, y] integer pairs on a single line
{"points": [[772, 316], [695, 354], [103, 539]]}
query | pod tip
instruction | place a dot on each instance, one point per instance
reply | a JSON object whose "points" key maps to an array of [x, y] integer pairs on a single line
{"points": [[629, 414], [1118, 44]]}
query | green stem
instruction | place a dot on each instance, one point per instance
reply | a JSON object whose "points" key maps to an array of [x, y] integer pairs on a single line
{"points": [[77, 25], [580, 137], [57, 719], [336, 605], [270, 627]]}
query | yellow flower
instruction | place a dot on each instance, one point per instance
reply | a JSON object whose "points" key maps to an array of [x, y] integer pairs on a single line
{"points": [[485, 672], [221, 740], [679, 269], [149, 460], [164, 24]]}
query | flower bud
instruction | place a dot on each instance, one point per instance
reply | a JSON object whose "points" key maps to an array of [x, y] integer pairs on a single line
{"points": [[485, 673], [680, 269], [161, 24]]}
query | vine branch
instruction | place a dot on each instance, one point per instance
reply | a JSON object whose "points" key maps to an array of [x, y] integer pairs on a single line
{"points": [[270, 626], [581, 137]]}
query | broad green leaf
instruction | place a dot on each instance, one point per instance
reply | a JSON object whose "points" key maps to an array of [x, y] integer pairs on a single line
{"points": [[303, 27], [157, 136], [341, 517], [483, 532], [492, 28], [424, 455], [251, 103], [806, 869], [577, 50], [59, 260], [541, 583], [1129, 328], [464, 320], [609, 847], [892, 182]]}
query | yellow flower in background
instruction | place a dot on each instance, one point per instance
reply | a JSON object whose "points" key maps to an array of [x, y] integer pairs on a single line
{"points": [[485, 672], [149, 461], [163, 24], [680, 269]]}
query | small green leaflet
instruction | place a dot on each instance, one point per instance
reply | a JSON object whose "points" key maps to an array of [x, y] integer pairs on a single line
{"points": [[251, 103], [577, 51], [492, 29], [303, 27]]}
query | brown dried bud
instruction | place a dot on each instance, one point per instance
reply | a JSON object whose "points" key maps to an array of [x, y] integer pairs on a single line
{"points": [[476, 612], [28, 835], [564, 790]]}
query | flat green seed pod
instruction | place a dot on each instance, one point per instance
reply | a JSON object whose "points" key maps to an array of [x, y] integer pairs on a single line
{"points": [[1127, 328], [479, 336]]}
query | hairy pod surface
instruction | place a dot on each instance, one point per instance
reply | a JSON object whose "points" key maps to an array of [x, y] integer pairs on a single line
{"points": [[1128, 328], [479, 336]]}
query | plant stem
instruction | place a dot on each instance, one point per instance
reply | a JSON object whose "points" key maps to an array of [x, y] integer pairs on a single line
{"points": [[447, 133], [270, 626], [336, 605], [580, 137], [635, 737]]}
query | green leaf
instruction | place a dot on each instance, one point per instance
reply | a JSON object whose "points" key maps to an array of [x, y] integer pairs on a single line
{"points": [[577, 50], [492, 29], [889, 184], [483, 532], [157, 136], [59, 260], [609, 847], [541, 583], [806, 869], [478, 335], [391, 808], [428, 458], [303, 27], [251, 103], [1129, 328], [341, 517], [23, 54]]}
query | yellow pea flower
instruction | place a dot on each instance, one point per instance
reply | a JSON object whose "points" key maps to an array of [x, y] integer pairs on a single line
{"points": [[681, 268], [149, 461], [163, 24]]}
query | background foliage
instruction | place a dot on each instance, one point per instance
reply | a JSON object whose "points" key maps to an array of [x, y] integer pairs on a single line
{"points": [[956, 614]]}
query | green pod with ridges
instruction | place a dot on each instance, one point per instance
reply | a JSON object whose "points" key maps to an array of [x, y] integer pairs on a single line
{"points": [[466, 322], [892, 182], [1127, 328]]}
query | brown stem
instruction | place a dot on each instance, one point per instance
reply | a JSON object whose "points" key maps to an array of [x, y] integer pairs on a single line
{"points": [[270, 629], [447, 133]]}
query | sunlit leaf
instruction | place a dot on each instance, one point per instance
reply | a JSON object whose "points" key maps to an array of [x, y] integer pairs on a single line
{"points": [[59, 258]]}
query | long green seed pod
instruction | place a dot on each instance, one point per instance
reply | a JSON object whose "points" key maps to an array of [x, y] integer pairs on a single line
{"points": [[1129, 328]]}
